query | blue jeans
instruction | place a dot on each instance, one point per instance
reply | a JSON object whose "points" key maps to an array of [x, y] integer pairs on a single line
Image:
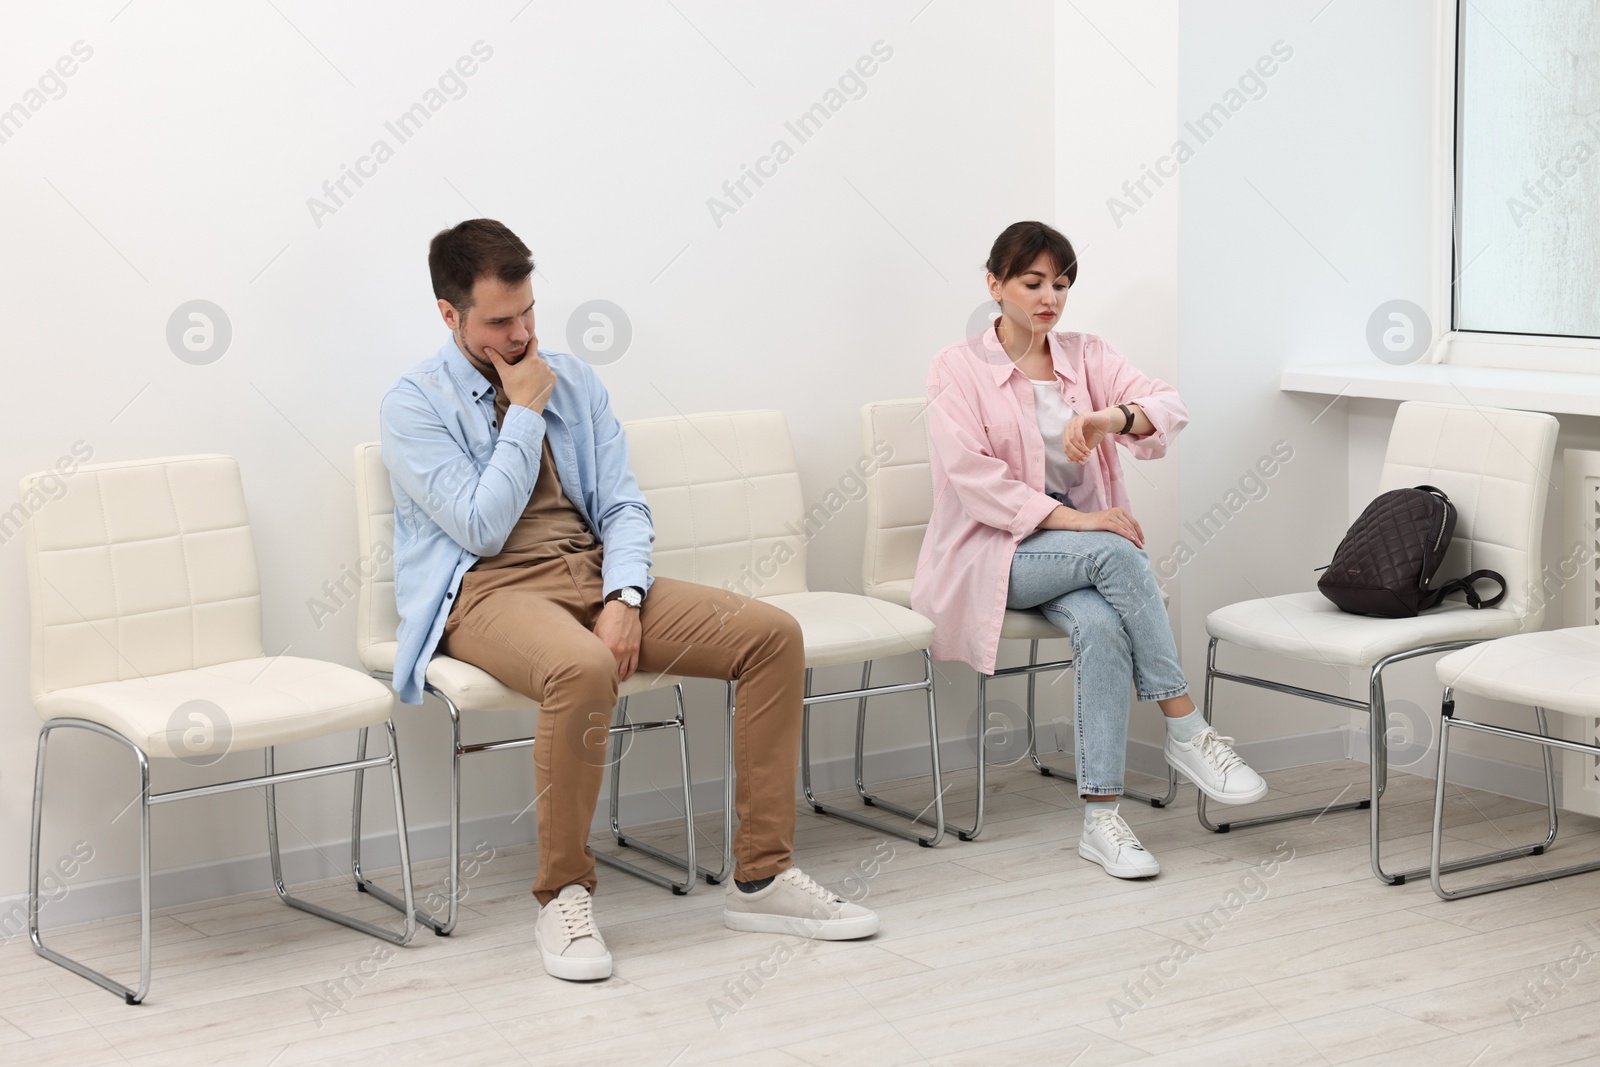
{"points": [[1098, 589]]}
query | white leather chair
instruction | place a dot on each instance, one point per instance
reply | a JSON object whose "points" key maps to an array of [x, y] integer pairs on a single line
{"points": [[1494, 464], [463, 687], [146, 611], [1555, 670], [899, 502], [724, 492]]}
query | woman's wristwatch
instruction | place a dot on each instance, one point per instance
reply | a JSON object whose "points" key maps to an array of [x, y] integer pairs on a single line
{"points": [[1127, 413], [630, 595]]}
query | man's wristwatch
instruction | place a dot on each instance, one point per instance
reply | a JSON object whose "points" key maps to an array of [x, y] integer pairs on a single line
{"points": [[630, 595]]}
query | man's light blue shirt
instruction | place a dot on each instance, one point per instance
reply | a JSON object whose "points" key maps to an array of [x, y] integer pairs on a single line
{"points": [[460, 486]]}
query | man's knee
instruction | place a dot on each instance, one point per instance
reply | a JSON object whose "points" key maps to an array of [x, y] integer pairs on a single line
{"points": [[583, 675], [758, 618], [785, 627], [764, 626], [785, 630]]}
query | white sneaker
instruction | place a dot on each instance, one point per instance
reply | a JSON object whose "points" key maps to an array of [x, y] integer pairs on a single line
{"points": [[1108, 841], [1209, 761], [568, 939], [794, 904]]}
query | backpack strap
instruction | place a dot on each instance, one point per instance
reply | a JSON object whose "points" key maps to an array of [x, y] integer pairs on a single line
{"points": [[1432, 597]]}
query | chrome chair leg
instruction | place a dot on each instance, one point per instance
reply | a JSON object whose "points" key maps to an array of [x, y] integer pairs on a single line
{"points": [[132, 996], [1212, 674], [691, 870], [456, 752], [615, 765], [1437, 868], [861, 735], [916, 818], [355, 812], [440, 927], [1033, 713], [407, 907], [146, 800], [1377, 761], [721, 875], [872, 801]]}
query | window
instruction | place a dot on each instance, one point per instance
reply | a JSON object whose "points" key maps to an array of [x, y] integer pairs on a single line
{"points": [[1527, 167]]}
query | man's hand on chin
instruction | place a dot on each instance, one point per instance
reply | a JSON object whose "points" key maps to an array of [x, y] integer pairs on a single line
{"points": [[527, 380], [618, 626]]}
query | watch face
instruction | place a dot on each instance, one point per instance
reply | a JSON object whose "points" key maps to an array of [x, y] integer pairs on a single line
{"points": [[630, 596]]}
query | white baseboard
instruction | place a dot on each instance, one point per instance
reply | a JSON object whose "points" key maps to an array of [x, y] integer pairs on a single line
{"points": [[171, 887], [1473, 771], [1144, 757]]}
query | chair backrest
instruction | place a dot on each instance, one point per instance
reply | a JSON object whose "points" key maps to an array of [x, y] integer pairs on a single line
{"points": [[899, 491], [377, 618], [1494, 464], [137, 569], [724, 495]]}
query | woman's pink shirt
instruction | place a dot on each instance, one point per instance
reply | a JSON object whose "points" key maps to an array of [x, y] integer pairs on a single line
{"points": [[988, 465]]}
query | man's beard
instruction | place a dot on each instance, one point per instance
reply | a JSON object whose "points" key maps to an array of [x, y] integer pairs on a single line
{"points": [[481, 359]]}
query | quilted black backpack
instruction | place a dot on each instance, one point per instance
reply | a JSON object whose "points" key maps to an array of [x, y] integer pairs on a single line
{"points": [[1389, 555]]}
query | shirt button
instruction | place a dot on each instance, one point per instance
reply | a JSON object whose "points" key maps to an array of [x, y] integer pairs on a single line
{"points": [[447, 596]]}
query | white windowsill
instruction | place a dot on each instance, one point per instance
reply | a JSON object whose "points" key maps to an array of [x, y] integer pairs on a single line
{"points": [[1558, 392]]}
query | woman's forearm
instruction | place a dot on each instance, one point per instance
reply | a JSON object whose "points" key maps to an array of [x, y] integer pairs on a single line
{"points": [[1059, 519], [1142, 426]]}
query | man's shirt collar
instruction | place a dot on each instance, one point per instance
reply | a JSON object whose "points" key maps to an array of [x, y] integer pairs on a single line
{"points": [[467, 376]]}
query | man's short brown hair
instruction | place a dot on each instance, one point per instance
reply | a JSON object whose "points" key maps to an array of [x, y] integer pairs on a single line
{"points": [[467, 251]]}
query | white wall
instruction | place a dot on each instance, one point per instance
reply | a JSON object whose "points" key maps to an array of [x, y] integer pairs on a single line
{"points": [[178, 164], [1301, 215], [1116, 108], [1311, 211]]}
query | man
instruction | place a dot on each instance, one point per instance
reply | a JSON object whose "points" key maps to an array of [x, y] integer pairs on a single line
{"points": [[522, 546]]}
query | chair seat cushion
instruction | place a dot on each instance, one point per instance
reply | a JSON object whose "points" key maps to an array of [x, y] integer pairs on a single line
{"points": [[1027, 625], [1306, 626], [1555, 669], [236, 706], [475, 689], [849, 628]]}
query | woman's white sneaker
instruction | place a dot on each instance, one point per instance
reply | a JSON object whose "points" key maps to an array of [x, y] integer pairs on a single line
{"points": [[1108, 841], [1209, 761], [794, 904], [569, 940]]}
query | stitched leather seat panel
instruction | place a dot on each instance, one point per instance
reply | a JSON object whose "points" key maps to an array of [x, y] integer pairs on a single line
{"points": [[1555, 669]]}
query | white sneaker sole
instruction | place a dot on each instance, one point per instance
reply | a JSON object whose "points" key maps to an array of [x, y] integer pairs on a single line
{"points": [[1118, 870], [1211, 791], [817, 929], [580, 969]]}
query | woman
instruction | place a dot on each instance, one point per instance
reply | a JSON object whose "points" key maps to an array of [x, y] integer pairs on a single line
{"points": [[1030, 511]]}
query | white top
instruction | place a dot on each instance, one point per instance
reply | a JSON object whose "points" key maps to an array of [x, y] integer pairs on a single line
{"points": [[1053, 412]]}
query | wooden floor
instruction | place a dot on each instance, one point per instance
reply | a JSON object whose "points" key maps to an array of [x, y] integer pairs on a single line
{"points": [[1273, 945]]}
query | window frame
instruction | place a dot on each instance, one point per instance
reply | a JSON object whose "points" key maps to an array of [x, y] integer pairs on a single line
{"points": [[1476, 348]]}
